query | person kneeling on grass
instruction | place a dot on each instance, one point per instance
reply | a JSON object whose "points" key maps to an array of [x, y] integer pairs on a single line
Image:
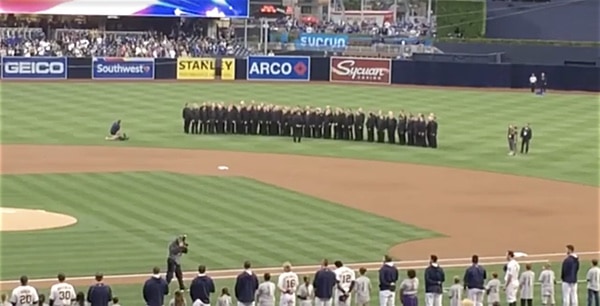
{"points": [[115, 132]]}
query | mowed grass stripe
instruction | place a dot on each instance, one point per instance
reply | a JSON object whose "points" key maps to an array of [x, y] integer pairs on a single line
{"points": [[338, 215]]}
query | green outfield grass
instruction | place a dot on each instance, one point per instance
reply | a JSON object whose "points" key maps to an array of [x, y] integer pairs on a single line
{"points": [[472, 124], [127, 219], [131, 294]]}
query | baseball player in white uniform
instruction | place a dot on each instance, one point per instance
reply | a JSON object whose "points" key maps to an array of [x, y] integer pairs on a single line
{"points": [[363, 288], [526, 286], [547, 281], [345, 278], [287, 284], [24, 295], [511, 279], [265, 295], [306, 292], [61, 293]]}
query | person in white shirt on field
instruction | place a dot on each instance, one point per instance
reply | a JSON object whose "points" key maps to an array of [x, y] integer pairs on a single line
{"points": [[363, 288], [61, 293], [532, 82], [265, 294], [593, 284], [511, 279], [526, 286], [345, 278], [225, 298], [455, 293], [306, 292], [492, 289], [287, 284], [24, 295], [547, 281]]}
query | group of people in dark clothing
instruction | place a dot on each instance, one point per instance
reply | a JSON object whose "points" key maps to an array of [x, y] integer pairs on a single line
{"points": [[310, 122]]}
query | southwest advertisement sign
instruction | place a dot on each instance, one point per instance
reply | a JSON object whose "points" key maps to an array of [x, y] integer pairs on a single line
{"points": [[117, 68], [278, 68], [196, 68], [228, 69], [325, 42], [360, 70], [34, 68]]}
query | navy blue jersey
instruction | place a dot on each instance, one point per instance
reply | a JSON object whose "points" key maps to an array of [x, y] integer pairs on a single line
{"points": [[115, 127]]}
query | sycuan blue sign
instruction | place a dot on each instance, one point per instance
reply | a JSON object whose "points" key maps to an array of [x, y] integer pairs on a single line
{"points": [[25, 68], [278, 68], [117, 68], [325, 42]]}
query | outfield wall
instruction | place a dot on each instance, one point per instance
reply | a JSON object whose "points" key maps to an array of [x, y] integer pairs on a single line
{"points": [[300, 68]]}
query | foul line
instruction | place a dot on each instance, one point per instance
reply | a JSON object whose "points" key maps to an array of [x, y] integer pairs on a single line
{"points": [[413, 264]]}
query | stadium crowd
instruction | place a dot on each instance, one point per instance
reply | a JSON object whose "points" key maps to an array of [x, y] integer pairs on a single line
{"points": [[20, 37], [80, 37], [339, 285], [310, 122]]}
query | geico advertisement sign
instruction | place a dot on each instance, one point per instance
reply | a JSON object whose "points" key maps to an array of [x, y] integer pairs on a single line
{"points": [[34, 68], [271, 68]]}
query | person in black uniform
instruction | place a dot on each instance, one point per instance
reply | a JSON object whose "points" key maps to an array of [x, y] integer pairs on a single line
{"points": [[402, 128], [287, 122], [392, 124], [318, 127], [276, 121], [260, 117], [298, 125], [432, 128], [410, 130], [327, 122], [370, 124], [348, 132], [269, 117], [421, 131], [203, 124], [221, 119], [359, 123], [526, 135], [212, 118], [232, 119], [309, 119], [253, 119], [381, 127], [187, 118], [336, 124], [244, 119], [543, 83]]}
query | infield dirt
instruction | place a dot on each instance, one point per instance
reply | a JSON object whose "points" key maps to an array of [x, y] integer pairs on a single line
{"points": [[478, 212]]}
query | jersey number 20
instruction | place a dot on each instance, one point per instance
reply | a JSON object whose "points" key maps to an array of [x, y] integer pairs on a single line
{"points": [[25, 299]]}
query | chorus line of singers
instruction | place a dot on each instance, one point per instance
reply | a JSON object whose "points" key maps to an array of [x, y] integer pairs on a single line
{"points": [[328, 123]]}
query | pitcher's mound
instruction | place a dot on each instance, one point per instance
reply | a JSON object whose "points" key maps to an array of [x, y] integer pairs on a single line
{"points": [[17, 219]]}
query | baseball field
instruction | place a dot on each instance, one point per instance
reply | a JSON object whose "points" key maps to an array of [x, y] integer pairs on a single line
{"points": [[75, 203]]}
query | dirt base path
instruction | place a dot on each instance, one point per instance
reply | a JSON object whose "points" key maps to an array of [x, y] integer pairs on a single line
{"points": [[479, 212]]}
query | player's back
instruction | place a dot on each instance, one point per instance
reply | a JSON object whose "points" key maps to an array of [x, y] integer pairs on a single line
{"points": [[24, 296], [345, 276], [62, 294], [363, 287], [288, 281]]}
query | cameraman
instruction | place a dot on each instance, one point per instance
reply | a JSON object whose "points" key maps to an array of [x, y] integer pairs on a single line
{"points": [[176, 249]]}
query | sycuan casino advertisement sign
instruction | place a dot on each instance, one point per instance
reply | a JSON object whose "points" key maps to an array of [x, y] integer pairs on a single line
{"points": [[360, 70], [183, 8]]}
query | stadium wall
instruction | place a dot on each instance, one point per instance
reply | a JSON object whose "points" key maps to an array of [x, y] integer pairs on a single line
{"points": [[301, 68]]}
